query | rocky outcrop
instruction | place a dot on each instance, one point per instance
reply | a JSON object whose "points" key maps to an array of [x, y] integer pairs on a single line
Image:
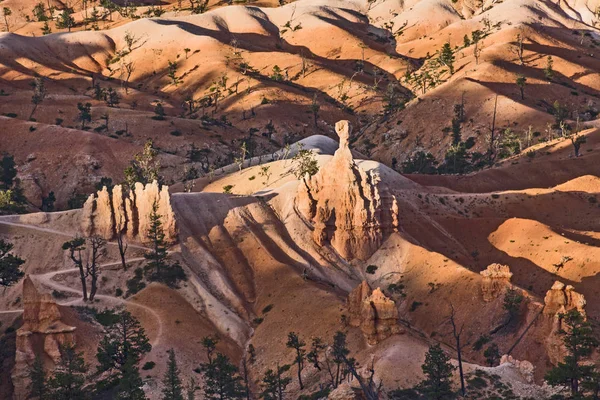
{"points": [[373, 312], [560, 299], [106, 214], [496, 278], [350, 209], [524, 368], [41, 335]]}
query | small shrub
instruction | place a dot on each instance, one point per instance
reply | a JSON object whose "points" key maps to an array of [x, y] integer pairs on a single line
{"points": [[483, 339], [175, 133], [58, 295], [258, 320], [267, 308], [227, 189], [136, 283], [371, 269], [119, 292], [148, 365], [415, 305]]}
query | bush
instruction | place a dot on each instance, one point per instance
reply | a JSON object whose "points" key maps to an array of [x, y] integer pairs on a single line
{"points": [[267, 308], [148, 366], [58, 295], [136, 283], [119, 292], [371, 269], [415, 305], [227, 189], [170, 275]]}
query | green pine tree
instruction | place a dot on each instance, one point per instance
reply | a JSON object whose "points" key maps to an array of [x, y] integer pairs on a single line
{"points": [[10, 265], [172, 389], [221, 379], [69, 376], [130, 383], [157, 257], [8, 171], [124, 342], [38, 389], [274, 383], [580, 342], [158, 267], [438, 374], [298, 345], [447, 58]]}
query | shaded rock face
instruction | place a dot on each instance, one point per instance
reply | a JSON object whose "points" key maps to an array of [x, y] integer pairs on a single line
{"points": [[496, 278], [373, 312], [107, 214], [41, 335], [349, 208], [560, 299]]}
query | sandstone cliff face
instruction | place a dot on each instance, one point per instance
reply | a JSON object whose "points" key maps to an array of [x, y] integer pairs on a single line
{"points": [[349, 208], [496, 278], [560, 299], [41, 335], [107, 214], [373, 312]]}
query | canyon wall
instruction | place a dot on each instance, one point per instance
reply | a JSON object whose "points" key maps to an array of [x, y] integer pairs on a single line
{"points": [[119, 212], [350, 209]]}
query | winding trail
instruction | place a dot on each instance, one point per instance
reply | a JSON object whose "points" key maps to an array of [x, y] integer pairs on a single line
{"points": [[60, 233], [46, 279]]}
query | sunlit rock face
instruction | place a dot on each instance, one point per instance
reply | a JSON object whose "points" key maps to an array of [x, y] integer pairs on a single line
{"points": [[345, 204], [107, 214]]}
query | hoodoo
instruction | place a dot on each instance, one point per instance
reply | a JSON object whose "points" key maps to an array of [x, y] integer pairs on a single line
{"points": [[350, 208]]}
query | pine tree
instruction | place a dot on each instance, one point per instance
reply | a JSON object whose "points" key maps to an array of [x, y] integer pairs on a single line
{"points": [[130, 383], [447, 57], [10, 265], [75, 247], [438, 372], [38, 389], [521, 80], [8, 171], [65, 20], [85, 113], [69, 376], [172, 389], [158, 267], [579, 342], [124, 342], [221, 379], [157, 257], [295, 343], [274, 383]]}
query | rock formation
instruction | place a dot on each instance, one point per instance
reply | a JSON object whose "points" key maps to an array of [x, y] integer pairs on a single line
{"points": [[348, 207], [107, 214], [560, 299], [41, 335], [524, 368], [373, 312], [496, 278]]}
